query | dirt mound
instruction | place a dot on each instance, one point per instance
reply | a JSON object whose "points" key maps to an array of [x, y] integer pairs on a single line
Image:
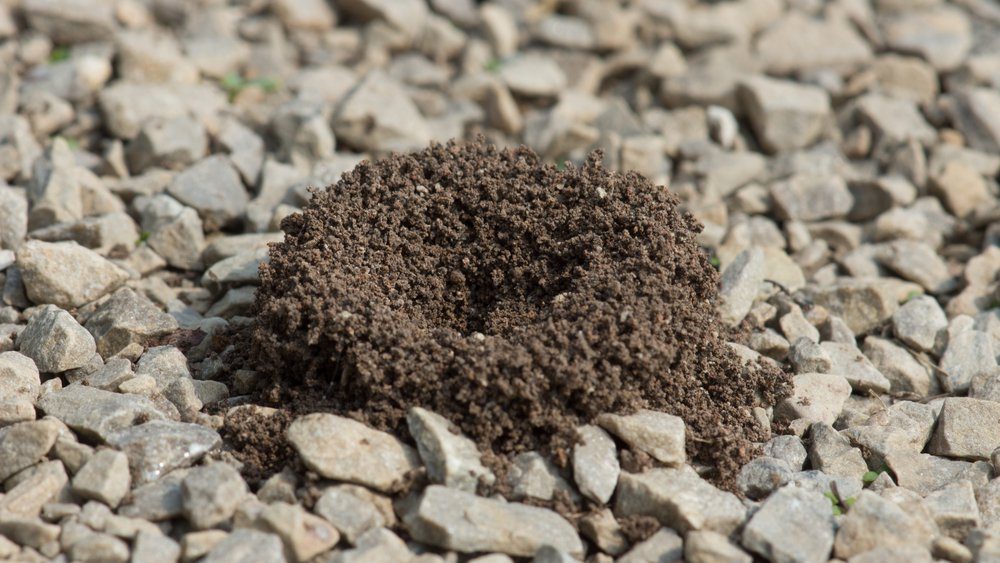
{"points": [[517, 299]]}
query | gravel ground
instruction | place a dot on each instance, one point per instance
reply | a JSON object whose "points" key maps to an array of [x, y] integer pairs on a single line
{"points": [[843, 157]]}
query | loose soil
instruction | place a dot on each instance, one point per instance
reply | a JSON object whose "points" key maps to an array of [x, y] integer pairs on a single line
{"points": [[516, 299]]}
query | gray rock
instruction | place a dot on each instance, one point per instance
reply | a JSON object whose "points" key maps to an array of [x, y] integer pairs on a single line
{"points": [[239, 270], [378, 545], [66, 274], [247, 545], [126, 106], [967, 428], [680, 499], [799, 43], [55, 341], [902, 554], [740, 284], [762, 476], [787, 448], [659, 434], [925, 473], [228, 246], [175, 232], [244, 147], [595, 464], [172, 143], [768, 532], [904, 427], [533, 76], [310, 15], [99, 547], [954, 509], [451, 458], [969, 356], [211, 493], [95, 413], [807, 356], [811, 197], [165, 364], [848, 361], [664, 545], [549, 554], [917, 262], [976, 113], [875, 522], [19, 377], [455, 520], [157, 447], [354, 510], [346, 450], [103, 234], [904, 372], [71, 21], [895, 121], [862, 304], [156, 501], [406, 16], [712, 547], [785, 115], [534, 476], [104, 478], [24, 444], [304, 535], [833, 454], [150, 547], [377, 115], [816, 397], [13, 217], [961, 189], [942, 35], [213, 188], [603, 530], [127, 319]]}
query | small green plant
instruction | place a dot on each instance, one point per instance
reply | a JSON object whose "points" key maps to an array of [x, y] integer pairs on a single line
{"points": [[714, 261], [233, 84], [493, 65], [143, 237], [913, 295], [58, 54], [870, 477]]}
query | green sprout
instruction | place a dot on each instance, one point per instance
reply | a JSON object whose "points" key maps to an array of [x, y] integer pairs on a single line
{"points": [[714, 261], [869, 477], [836, 506], [143, 237], [58, 54], [912, 295], [72, 142], [233, 84], [493, 65]]}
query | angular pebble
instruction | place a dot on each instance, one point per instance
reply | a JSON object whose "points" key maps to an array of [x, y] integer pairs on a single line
{"points": [[211, 493], [346, 450], [158, 447], [127, 318], [66, 274], [740, 284], [55, 341], [816, 397], [595, 464], [680, 499], [247, 545], [451, 458], [967, 428], [24, 444], [95, 413], [769, 532], [463, 522], [658, 434], [105, 478]]}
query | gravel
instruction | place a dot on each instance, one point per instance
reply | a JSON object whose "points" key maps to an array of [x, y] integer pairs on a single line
{"points": [[841, 157]]}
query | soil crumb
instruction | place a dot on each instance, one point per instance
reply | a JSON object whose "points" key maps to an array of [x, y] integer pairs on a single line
{"points": [[517, 299]]}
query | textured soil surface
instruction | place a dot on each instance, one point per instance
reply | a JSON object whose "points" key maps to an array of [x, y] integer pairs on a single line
{"points": [[514, 298]]}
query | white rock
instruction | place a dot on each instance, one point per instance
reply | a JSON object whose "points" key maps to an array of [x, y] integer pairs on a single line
{"points": [[451, 459], [346, 450], [659, 434]]}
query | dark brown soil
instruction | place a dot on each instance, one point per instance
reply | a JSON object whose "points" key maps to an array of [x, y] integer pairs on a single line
{"points": [[514, 298]]}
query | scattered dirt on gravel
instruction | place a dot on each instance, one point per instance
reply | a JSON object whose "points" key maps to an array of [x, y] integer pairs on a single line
{"points": [[517, 299]]}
